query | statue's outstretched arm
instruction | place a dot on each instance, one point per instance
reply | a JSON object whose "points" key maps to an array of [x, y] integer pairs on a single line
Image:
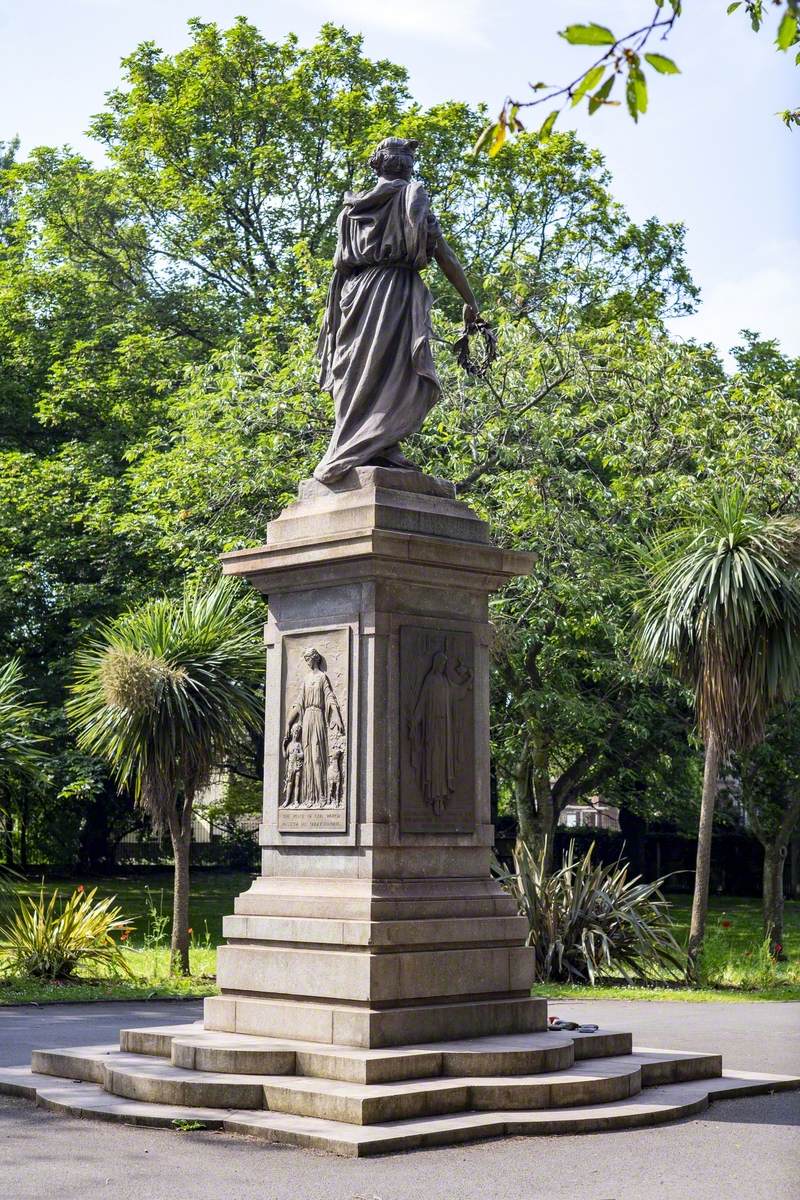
{"points": [[454, 272]]}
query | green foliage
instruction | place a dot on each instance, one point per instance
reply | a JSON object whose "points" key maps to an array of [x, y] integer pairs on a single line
{"points": [[21, 745], [662, 64], [232, 151], [769, 776], [624, 56], [723, 608], [588, 35], [168, 690], [53, 939], [587, 920], [159, 399], [725, 964]]}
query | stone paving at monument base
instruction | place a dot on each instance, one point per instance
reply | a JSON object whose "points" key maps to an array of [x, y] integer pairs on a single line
{"points": [[356, 1101]]}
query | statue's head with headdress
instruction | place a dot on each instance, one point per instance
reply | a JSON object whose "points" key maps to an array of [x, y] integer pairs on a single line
{"points": [[393, 158]]}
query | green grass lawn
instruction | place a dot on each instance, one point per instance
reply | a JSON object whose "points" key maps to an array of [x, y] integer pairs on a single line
{"points": [[736, 967], [212, 896], [147, 901], [735, 964]]}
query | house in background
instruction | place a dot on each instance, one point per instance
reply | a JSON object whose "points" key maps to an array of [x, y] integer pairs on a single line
{"points": [[215, 826], [590, 814]]}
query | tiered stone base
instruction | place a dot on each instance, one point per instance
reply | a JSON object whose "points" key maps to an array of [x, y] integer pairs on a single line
{"points": [[358, 1101]]}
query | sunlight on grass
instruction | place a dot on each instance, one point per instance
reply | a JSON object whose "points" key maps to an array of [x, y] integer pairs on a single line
{"points": [[145, 949], [735, 964]]}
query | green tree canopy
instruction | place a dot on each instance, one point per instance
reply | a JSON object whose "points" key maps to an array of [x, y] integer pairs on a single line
{"points": [[159, 398]]}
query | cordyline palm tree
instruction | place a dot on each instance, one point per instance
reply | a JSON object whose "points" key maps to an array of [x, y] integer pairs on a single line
{"points": [[21, 756], [165, 695], [722, 608]]}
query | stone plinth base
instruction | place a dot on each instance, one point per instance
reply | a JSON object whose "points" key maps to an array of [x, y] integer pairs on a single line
{"points": [[374, 962], [365, 1026], [356, 1102]]}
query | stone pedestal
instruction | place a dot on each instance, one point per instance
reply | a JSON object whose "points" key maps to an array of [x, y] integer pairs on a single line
{"points": [[375, 921]]}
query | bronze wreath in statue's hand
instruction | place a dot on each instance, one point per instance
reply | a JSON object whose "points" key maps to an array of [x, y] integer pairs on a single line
{"points": [[475, 324]]}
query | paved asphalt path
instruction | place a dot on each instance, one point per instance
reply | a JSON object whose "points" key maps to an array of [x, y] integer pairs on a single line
{"points": [[738, 1150]]}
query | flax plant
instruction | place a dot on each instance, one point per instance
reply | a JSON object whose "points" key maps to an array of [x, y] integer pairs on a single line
{"points": [[587, 919], [50, 939]]}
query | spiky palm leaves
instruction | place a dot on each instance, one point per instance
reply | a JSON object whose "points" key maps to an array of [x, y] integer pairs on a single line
{"points": [[20, 743], [51, 939], [722, 608], [164, 695]]}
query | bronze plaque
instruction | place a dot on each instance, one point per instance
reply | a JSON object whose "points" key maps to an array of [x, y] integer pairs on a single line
{"points": [[437, 731], [314, 732]]}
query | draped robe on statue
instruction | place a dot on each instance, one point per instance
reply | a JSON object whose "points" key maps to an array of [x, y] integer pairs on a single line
{"points": [[319, 713], [374, 344]]}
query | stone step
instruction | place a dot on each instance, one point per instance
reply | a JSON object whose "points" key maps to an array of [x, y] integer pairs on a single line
{"points": [[675, 1066], [157, 1039], [233, 1058], [653, 1107], [161, 1083], [156, 1081], [664, 1104], [597, 1081], [193, 1047], [78, 1099], [81, 1063], [372, 1104]]}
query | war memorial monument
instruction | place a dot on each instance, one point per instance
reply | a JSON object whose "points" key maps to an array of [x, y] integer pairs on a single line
{"points": [[375, 984]]}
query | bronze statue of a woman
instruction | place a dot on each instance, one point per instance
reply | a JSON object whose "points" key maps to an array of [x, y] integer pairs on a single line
{"points": [[374, 344]]}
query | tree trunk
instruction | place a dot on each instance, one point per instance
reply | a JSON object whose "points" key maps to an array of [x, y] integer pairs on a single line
{"points": [[776, 849], [8, 839], [536, 811], [774, 861], [703, 868], [546, 815], [181, 835], [524, 801], [23, 836], [179, 945]]}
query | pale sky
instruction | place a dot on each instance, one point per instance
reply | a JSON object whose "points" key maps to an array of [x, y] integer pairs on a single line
{"points": [[710, 152]]}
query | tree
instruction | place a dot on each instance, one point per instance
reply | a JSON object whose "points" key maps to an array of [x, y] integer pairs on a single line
{"points": [[578, 445], [21, 754], [159, 403], [722, 608], [164, 694], [770, 792]]}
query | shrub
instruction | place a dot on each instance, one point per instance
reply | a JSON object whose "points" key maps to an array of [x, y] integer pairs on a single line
{"points": [[587, 919], [50, 939]]}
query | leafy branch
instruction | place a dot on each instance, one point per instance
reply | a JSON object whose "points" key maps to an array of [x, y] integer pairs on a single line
{"points": [[626, 57]]}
